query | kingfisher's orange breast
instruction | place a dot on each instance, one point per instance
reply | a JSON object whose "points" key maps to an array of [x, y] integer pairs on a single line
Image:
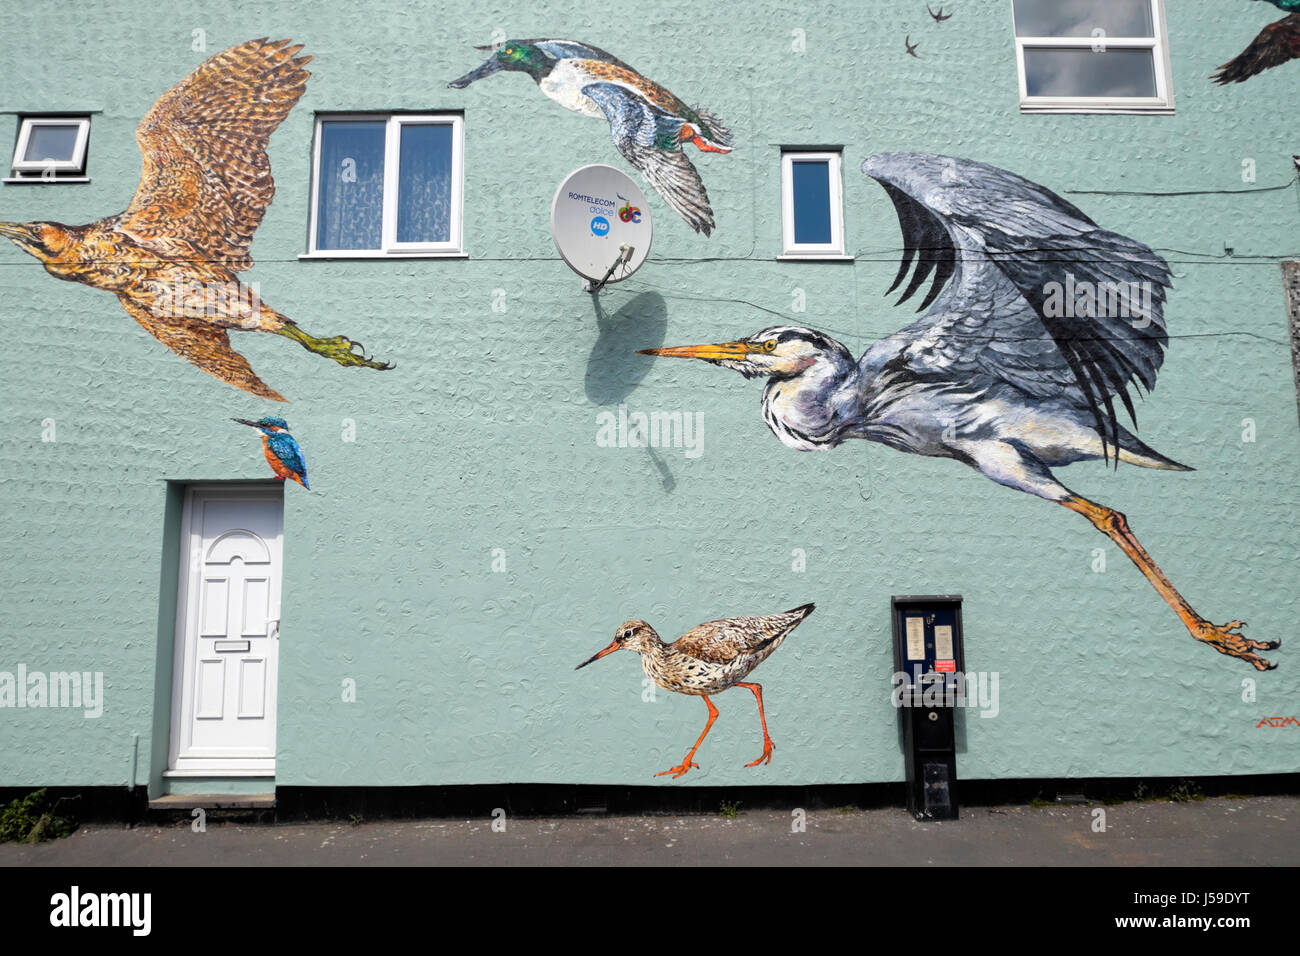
{"points": [[277, 466]]}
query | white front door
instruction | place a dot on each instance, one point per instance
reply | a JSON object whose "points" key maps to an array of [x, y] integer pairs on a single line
{"points": [[227, 632]]}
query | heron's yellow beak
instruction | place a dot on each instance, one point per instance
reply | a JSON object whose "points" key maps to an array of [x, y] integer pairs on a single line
{"points": [[735, 351]]}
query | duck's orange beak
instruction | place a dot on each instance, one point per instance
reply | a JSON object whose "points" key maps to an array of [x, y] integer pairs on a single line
{"points": [[735, 351], [595, 657]]}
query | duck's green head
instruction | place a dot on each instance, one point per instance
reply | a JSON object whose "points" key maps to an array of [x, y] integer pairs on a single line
{"points": [[520, 56]]}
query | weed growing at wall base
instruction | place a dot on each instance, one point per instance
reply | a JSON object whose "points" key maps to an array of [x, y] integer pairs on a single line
{"points": [[31, 819]]}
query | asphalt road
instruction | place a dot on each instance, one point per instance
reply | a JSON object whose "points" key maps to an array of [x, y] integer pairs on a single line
{"points": [[1214, 832]]}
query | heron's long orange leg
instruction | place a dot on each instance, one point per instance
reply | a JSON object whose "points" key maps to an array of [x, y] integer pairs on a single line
{"points": [[1223, 638], [767, 741], [687, 764]]}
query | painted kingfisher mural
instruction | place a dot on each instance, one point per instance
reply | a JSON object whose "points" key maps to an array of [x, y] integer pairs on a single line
{"points": [[706, 660], [649, 125], [1276, 44], [1040, 323], [281, 450], [173, 257]]}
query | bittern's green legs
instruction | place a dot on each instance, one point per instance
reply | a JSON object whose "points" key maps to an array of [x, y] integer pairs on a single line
{"points": [[340, 348]]}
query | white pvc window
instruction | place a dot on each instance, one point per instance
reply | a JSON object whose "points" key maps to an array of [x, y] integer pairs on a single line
{"points": [[1093, 56], [812, 205], [386, 185], [51, 147]]}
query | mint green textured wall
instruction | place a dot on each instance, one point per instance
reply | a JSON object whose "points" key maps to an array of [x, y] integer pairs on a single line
{"points": [[484, 436]]}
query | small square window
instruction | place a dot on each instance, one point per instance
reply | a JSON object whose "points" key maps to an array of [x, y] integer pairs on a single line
{"points": [[1093, 56], [51, 148], [387, 185], [812, 213]]}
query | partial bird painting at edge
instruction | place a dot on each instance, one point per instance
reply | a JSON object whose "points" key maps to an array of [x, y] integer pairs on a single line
{"points": [[1276, 44], [1040, 323], [280, 448], [649, 125], [173, 256], [706, 660]]}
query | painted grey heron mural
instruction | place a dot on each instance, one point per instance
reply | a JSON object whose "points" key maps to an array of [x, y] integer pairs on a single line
{"points": [[1040, 323]]}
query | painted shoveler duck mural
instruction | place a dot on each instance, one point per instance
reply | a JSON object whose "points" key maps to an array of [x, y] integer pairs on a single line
{"points": [[1040, 323], [649, 125], [1276, 44], [280, 448], [173, 257], [707, 660]]}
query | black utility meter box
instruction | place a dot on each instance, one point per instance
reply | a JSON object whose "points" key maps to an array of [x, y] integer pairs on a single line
{"points": [[928, 672]]}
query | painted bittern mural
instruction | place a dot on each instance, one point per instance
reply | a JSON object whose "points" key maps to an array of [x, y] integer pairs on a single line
{"points": [[281, 450], [173, 257], [706, 660], [649, 125], [1276, 44], [1040, 323]]}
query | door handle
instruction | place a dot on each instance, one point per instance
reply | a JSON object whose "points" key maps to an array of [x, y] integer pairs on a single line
{"points": [[273, 628]]}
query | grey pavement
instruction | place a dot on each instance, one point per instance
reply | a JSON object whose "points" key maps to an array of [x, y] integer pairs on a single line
{"points": [[1218, 831]]}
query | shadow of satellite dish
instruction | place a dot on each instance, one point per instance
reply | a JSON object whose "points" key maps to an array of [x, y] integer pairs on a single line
{"points": [[614, 370]]}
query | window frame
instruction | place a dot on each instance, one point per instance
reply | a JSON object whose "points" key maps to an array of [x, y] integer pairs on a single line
{"points": [[389, 247], [835, 249], [1157, 43], [32, 170]]}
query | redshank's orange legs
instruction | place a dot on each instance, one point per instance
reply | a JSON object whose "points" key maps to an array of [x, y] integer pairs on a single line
{"points": [[1223, 639], [686, 764], [767, 741]]}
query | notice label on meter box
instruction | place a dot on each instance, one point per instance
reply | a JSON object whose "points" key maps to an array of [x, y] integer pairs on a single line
{"points": [[943, 641], [915, 638]]}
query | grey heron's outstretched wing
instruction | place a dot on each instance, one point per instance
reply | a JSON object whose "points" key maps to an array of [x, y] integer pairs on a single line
{"points": [[1037, 295], [650, 140]]}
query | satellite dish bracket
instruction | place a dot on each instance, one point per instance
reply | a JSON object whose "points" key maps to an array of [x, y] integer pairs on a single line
{"points": [[624, 257]]}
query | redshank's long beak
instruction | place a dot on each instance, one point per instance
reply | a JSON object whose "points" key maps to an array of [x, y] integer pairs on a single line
{"points": [[595, 657], [735, 351]]}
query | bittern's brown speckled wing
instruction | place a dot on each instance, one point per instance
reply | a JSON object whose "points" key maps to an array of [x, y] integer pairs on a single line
{"points": [[719, 642], [206, 346], [207, 179]]}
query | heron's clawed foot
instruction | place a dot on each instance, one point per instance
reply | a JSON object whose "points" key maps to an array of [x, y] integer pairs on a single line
{"points": [[680, 769], [340, 348], [1228, 639], [768, 746]]}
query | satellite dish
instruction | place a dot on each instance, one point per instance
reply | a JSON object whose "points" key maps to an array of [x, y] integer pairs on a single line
{"points": [[601, 224]]}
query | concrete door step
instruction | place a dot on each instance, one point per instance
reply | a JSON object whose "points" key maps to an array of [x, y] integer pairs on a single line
{"points": [[214, 801]]}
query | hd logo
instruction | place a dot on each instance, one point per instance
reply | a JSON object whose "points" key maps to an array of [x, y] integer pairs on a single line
{"points": [[600, 227]]}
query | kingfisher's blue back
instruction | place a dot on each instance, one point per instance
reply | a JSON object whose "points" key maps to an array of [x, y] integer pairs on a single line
{"points": [[285, 457]]}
